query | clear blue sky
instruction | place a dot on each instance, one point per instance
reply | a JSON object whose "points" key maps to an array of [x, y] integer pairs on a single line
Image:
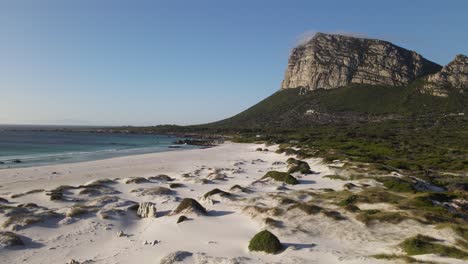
{"points": [[105, 62]]}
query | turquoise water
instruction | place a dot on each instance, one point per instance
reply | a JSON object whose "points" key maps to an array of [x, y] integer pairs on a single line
{"points": [[34, 145]]}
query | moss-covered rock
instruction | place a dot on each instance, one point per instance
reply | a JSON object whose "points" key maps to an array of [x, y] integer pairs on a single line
{"points": [[281, 177], [265, 241]]}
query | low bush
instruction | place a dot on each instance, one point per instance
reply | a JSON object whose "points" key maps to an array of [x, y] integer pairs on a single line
{"points": [[265, 241], [216, 191], [420, 244], [281, 177]]}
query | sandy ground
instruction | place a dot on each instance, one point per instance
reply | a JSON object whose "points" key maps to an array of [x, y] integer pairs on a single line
{"points": [[220, 237]]}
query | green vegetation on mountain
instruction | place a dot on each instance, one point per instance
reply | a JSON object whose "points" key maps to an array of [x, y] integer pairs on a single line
{"points": [[353, 103]]}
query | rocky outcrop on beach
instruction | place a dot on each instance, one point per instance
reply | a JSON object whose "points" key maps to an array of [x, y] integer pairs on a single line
{"points": [[147, 209], [453, 76], [330, 61]]}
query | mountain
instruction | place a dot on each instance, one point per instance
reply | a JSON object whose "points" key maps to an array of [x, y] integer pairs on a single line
{"points": [[330, 61], [454, 76], [341, 80]]}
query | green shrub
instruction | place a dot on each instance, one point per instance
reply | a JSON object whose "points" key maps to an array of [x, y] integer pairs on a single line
{"points": [[352, 208], [307, 208], [265, 241], [216, 191], [419, 245], [371, 216], [136, 180], [273, 222], [190, 205], [281, 177], [349, 200], [298, 166], [336, 177], [396, 184], [334, 215], [240, 188], [176, 185]]}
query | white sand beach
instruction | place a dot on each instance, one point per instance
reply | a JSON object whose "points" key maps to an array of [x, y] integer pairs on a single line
{"points": [[56, 233]]}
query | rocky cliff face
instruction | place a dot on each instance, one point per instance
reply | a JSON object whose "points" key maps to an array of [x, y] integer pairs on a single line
{"points": [[454, 76], [330, 61]]}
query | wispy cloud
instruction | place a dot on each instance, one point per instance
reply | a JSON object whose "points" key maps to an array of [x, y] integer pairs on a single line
{"points": [[305, 37]]}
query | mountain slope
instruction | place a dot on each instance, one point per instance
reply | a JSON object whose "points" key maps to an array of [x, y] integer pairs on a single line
{"points": [[353, 103]]}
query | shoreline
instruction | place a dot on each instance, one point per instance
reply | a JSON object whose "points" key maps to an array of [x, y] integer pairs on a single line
{"points": [[85, 156]]}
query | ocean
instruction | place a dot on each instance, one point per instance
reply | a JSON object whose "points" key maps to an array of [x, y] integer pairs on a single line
{"points": [[25, 146]]}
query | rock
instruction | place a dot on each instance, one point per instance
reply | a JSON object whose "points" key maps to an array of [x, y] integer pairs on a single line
{"points": [[181, 219], [121, 234], [147, 210], [72, 261], [189, 205], [133, 207], [10, 239], [453, 76], [175, 257], [349, 186], [67, 221], [3, 200], [330, 61]]}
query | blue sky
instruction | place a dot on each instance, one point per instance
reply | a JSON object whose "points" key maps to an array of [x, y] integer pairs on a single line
{"points": [[184, 62]]}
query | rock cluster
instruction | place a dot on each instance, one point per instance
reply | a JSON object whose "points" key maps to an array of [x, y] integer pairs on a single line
{"points": [[330, 61], [452, 76]]}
